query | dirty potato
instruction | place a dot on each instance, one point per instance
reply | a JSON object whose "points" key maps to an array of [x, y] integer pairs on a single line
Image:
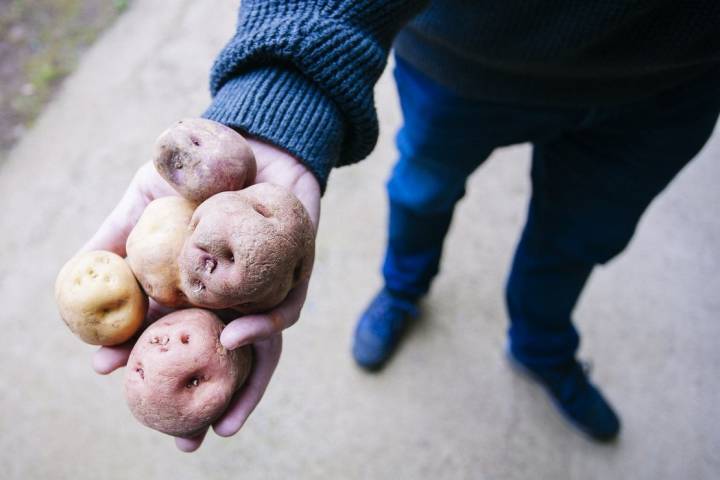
{"points": [[179, 378], [200, 158], [247, 249]]}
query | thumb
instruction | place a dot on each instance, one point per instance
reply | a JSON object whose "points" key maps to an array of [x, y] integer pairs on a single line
{"points": [[115, 229]]}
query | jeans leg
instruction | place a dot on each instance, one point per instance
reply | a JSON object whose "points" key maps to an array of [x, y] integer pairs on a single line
{"points": [[542, 289], [422, 195], [590, 188], [442, 141]]}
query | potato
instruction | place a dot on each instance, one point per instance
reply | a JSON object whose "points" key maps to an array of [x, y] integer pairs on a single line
{"points": [[247, 249], [99, 298], [179, 378], [200, 158], [154, 245]]}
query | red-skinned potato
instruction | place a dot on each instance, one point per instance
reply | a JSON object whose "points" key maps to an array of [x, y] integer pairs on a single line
{"points": [[200, 158], [179, 378], [99, 298], [154, 246], [247, 249]]}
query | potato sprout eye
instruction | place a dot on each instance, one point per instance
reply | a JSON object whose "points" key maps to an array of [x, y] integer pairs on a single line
{"points": [[210, 264], [262, 210], [160, 339], [194, 382]]}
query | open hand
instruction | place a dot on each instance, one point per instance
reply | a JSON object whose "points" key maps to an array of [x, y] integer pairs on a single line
{"points": [[263, 331]]}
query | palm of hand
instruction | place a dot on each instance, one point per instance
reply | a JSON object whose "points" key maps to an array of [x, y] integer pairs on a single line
{"points": [[263, 331]]}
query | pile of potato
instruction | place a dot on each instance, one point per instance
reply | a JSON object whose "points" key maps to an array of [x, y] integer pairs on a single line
{"points": [[221, 244]]}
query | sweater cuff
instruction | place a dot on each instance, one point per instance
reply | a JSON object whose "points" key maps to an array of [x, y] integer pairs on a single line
{"points": [[282, 107]]}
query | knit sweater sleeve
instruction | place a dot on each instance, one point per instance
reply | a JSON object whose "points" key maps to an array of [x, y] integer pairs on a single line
{"points": [[300, 74]]}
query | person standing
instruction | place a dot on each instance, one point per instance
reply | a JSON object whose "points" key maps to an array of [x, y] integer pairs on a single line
{"points": [[616, 98]]}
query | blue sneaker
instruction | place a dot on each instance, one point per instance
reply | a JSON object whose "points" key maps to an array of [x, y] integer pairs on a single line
{"points": [[380, 328], [577, 399]]}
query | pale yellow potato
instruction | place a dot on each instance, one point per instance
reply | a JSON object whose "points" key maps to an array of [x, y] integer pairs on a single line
{"points": [[99, 298], [154, 245]]}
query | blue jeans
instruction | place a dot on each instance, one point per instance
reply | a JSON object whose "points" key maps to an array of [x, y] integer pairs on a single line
{"points": [[594, 172]]}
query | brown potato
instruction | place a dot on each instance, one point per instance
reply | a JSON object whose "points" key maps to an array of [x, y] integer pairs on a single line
{"points": [[154, 245], [99, 298], [247, 249], [179, 378], [200, 158]]}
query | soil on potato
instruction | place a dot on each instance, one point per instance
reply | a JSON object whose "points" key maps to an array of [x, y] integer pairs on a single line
{"points": [[41, 42]]}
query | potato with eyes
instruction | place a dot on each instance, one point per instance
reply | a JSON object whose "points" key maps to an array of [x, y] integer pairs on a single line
{"points": [[99, 298], [154, 245], [200, 157], [247, 249], [179, 378]]}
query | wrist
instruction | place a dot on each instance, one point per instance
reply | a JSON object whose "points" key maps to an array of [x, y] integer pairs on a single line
{"points": [[279, 105]]}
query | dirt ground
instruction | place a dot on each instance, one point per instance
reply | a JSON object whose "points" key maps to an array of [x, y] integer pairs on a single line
{"points": [[40, 43]]}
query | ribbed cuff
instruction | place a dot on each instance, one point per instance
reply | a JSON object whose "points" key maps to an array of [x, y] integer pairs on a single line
{"points": [[282, 107]]}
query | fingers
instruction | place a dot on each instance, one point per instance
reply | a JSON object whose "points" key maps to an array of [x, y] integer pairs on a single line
{"points": [[190, 444], [307, 190], [108, 359], [252, 328], [145, 186], [267, 354], [114, 230]]}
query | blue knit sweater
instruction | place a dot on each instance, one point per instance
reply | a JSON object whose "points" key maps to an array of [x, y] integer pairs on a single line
{"points": [[300, 73]]}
